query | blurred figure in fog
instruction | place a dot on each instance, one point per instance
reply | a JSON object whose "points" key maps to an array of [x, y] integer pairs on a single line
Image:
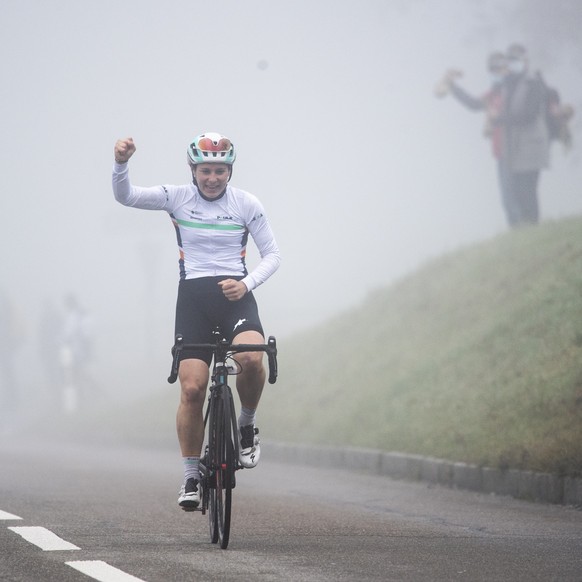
{"points": [[491, 103], [516, 109], [526, 139], [10, 342], [49, 332], [76, 350]]}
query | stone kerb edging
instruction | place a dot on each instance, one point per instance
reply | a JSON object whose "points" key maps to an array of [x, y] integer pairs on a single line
{"points": [[527, 485]]}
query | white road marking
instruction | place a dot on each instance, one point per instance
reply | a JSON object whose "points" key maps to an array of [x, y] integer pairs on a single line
{"points": [[102, 571], [6, 515], [43, 538]]}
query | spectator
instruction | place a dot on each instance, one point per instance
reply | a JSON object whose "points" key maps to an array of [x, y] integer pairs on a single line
{"points": [[10, 343], [76, 348], [525, 142], [517, 107], [491, 103], [50, 325]]}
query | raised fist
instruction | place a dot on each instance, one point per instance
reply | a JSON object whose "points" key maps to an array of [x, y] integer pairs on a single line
{"points": [[124, 149]]}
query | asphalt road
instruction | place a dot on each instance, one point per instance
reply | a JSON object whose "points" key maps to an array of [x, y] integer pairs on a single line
{"points": [[117, 505]]}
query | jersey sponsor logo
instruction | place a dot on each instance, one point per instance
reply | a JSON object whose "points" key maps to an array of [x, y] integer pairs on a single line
{"points": [[194, 212], [238, 323]]}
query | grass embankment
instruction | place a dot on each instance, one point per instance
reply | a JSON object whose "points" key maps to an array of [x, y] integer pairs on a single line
{"points": [[476, 357]]}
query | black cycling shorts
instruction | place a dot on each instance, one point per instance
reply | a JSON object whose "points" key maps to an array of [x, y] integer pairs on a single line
{"points": [[202, 307]]}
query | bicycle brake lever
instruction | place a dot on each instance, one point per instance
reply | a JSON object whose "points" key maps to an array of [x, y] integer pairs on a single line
{"points": [[272, 357], [176, 349]]}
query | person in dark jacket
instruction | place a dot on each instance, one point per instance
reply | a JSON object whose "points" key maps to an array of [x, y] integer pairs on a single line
{"points": [[525, 142], [516, 107], [490, 103]]}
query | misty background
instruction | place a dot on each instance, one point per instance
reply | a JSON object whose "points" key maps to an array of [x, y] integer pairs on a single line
{"points": [[364, 174]]}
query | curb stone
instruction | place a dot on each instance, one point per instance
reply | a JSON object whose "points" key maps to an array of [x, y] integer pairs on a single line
{"points": [[526, 485]]}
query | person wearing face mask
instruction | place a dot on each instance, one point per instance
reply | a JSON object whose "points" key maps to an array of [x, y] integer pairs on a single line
{"points": [[491, 103], [525, 142]]}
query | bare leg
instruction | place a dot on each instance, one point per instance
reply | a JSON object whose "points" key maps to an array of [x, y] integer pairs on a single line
{"points": [[250, 382], [189, 420]]}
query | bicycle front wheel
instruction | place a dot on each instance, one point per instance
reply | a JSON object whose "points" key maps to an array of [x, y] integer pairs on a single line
{"points": [[224, 466]]}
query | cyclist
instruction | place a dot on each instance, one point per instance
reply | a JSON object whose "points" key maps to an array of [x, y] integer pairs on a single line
{"points": [[212, 220]]}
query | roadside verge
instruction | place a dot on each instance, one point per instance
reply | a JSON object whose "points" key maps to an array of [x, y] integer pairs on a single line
{"points": [[526, 485]]}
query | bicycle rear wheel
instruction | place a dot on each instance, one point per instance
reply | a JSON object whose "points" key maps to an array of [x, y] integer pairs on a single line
{"points": [[220, 499]]}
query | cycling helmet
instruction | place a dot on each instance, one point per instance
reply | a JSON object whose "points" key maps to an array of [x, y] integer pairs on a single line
{"points": [[211, 148]]}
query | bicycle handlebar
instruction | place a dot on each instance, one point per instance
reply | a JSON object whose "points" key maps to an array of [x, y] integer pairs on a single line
{"points": [[223, 348]]}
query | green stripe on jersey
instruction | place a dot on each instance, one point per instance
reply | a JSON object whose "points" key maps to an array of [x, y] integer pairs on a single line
{"points": [[209, 226]]}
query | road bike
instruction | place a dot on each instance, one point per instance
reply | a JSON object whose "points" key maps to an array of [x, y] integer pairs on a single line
{"points": [[220, 461]]}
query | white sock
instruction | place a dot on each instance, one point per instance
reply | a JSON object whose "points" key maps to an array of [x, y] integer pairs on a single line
{"points": [[191, 468], [247, 416]]}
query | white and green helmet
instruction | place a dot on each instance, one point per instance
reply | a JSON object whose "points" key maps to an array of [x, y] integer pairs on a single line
{"points": [[211, 148]]}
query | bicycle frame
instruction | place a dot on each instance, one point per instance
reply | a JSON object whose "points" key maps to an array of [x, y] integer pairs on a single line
{"points": [[221, 455]]}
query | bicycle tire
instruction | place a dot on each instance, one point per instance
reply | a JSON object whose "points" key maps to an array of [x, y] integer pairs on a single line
{"points": [[213, 415], [225, 466], [225, 476]]}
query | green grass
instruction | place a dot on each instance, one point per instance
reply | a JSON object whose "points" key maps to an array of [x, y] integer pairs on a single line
{"points": [[476, 357]]}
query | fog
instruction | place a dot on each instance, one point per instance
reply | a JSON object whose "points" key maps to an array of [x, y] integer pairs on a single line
{"points": [[364, 174]]}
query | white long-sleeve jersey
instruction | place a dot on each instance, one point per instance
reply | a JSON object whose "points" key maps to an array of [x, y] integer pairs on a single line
{"points": [[212, 234]]}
